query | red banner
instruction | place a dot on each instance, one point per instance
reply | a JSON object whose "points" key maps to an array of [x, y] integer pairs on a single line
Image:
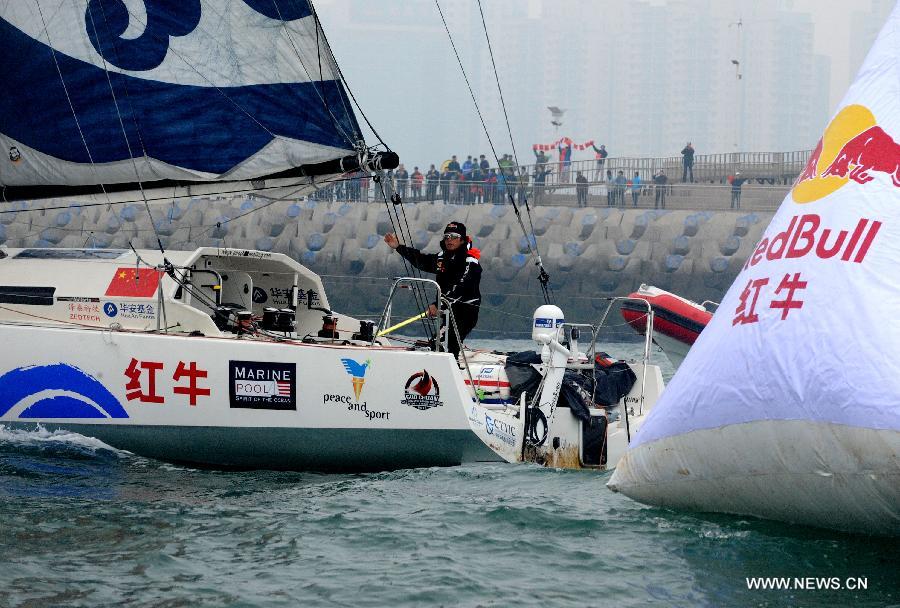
{"points": [[563, 141]]}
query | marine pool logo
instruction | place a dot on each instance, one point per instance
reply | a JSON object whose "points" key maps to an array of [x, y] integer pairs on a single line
{"points": [[55, 391], [422, 391], [262, 385]]}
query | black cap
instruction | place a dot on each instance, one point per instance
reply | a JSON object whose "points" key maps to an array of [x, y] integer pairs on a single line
{"points": [[457, 227]]}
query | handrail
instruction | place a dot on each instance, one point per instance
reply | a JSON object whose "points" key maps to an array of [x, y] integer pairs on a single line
{"points": [[397, 282]]}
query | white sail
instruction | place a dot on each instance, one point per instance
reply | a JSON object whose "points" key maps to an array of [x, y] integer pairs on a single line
{"points": [[788, 405]]}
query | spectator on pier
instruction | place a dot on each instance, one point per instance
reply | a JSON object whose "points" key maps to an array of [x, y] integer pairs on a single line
{"points": [[417, 180], [601, 154], [610, 189], [688, 153], [453, 165], [490, 187], [736, 182], [478, 178], [467, 167], [431, 180], [523, 184], [483, 164], [446, 179], [581, 189], [635, 188], [402, 177], [619, 190], [660, 184], [565, 162], [541, 171]]}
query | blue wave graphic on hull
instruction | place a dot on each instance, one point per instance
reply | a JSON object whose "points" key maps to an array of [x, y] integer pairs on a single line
{"points": [[205, 129], [23, 382]]}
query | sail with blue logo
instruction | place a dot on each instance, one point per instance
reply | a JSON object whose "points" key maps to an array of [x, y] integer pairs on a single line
{"points": [[788, 405], [149, 92]]}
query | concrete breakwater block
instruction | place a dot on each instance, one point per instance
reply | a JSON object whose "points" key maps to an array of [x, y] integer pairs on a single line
{"points": [[328, 221], [13, 212], [640, 226], [730, 245], [166, 227], [541, 225], [744, 223], [718, 264], [421, 239], [681, 245], [506, 268], [499, 211], [524, 241], [587, 223], [624, 247], [113, 224], [673, 262]]}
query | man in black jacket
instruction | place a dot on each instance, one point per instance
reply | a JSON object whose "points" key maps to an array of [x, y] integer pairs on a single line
{"points": [[458, 273]]}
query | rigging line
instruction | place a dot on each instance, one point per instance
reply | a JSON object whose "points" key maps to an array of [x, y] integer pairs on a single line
{"points": [[487, 37], [62, 81], [421, 297], [531, 249], [352, 141], [419, 293], [346, 83], [112, 92], [497, 79]]}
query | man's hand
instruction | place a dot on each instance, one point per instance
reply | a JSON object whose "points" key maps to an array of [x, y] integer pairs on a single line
{"points": [[391, 239], [432, 311]]}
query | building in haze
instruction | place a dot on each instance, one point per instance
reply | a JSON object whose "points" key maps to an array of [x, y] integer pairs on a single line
{"points": [[643, 77]]}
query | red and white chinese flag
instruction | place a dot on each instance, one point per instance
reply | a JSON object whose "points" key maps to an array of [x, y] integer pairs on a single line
{"points": [[134, 283]]}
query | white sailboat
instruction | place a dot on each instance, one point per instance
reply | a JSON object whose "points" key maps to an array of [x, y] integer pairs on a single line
{"points": [[798, 415], [171, 354]]}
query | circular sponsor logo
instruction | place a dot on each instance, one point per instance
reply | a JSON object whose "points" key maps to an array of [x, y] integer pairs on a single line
{"points": [[259, 295], [110, 309]]}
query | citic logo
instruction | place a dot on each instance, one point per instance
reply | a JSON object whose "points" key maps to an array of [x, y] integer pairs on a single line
{"points": [[852, 148]]}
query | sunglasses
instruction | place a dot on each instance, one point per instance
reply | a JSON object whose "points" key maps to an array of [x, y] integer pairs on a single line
{"points": [[452, 235]]}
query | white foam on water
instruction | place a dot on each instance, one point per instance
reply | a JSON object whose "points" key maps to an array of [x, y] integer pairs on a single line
{"points": [[41, 436]]}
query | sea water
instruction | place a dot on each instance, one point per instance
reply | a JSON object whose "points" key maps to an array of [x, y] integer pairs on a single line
{"points": [[82, 524]]}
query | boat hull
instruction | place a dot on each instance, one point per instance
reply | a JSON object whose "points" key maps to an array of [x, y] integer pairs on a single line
{"points": [[289, 449], [240, 403], [818, 474]]}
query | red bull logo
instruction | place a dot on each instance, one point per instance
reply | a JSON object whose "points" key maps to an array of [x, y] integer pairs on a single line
{"points": [[853, 148]]}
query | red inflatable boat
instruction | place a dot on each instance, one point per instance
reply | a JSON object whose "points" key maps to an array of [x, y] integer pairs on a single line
{"points": [[677, 321]]}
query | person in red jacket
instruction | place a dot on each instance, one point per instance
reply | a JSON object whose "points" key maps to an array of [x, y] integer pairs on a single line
{"points": [[458, 273]]}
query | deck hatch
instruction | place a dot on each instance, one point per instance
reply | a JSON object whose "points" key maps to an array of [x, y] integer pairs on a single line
{"points": [[70, 254]]}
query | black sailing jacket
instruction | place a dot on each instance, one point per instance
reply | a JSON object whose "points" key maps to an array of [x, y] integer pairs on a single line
{"points": [[458, 273]]}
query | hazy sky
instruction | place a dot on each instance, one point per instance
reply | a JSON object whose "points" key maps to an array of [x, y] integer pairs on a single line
{"points": [[379, 67]]}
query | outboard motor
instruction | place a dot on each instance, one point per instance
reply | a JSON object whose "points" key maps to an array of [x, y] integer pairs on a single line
{"points": [[547, 325]]}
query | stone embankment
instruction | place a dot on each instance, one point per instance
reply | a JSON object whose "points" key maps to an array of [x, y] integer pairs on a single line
{"points": [[590, 253]]}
